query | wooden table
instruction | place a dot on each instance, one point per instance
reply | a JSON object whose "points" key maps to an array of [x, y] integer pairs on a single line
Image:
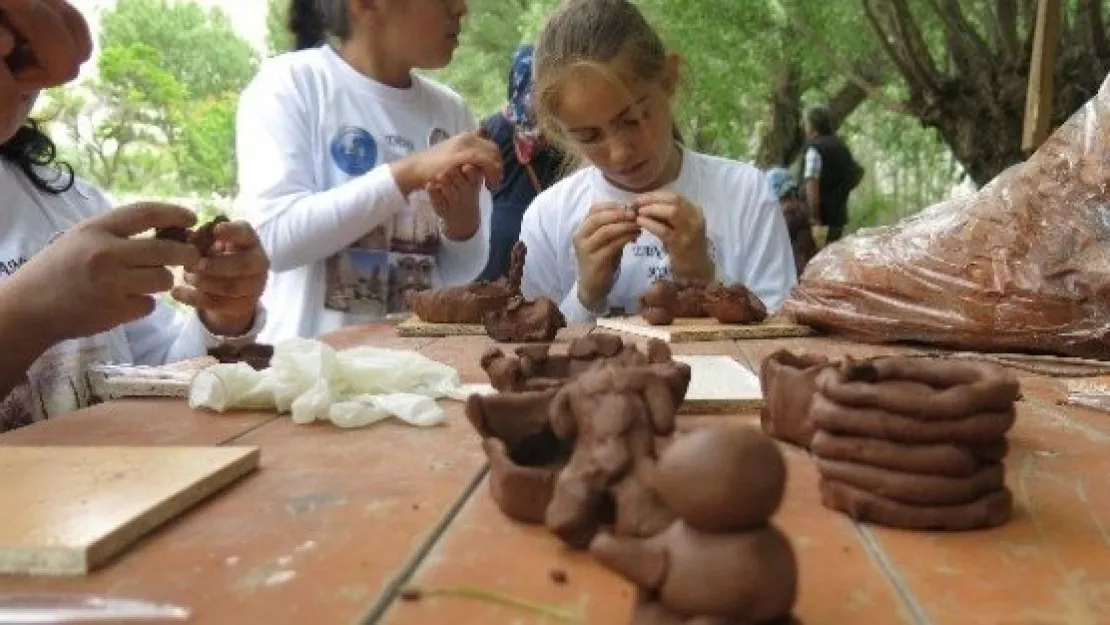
{"points": [[337, 522]]}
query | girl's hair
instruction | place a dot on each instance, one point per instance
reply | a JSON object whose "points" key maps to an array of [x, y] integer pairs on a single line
{"points": [[594, 34], [312, 21], [32, 151]]}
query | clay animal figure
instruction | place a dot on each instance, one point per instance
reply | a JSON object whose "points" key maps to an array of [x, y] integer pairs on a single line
{"points": [[521, 321], [469, 303], [719, 561], [666, 301], [613, 415]]}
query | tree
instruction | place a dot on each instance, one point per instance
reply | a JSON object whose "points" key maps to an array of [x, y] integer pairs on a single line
{"points": [[278, 37]]}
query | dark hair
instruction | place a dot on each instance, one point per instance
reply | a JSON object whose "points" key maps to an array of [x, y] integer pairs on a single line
{"points": [[32, 151], [819, 118], [311, 21]]}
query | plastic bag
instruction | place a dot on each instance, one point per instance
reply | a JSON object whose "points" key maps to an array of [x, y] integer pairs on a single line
{"points": [[350, 388], [1023, 265]]}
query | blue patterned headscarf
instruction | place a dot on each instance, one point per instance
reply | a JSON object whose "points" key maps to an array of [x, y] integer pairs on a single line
{"points": [[518, 110]]}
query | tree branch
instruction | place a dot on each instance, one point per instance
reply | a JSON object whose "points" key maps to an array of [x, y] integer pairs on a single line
{"points": [[1006, 14], [886, 40], [1097, 27], [961, 31], [917, 53]]}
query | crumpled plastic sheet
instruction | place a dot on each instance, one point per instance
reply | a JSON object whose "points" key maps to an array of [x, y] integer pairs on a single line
{"points": [[1023, 265], [351, 388]]}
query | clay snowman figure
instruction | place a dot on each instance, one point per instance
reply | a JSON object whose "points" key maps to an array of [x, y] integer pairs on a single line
{"points": [[720, 562]]}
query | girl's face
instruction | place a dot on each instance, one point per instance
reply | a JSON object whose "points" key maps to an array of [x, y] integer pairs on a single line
{"points": [[625, 131], [421, 33]]}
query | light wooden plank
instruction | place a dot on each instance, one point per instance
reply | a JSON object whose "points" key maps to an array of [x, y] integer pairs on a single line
{"points": [[1038, 100], [690, 330]]}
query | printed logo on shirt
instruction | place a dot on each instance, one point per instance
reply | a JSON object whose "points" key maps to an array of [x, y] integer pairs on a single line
{"points": [[438, 135], [9, 267], [397, 141], [354, 150]]}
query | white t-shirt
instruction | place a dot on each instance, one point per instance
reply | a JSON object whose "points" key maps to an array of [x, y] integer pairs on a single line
{"points": [[314, 141], [747, 236], [57, 382]]}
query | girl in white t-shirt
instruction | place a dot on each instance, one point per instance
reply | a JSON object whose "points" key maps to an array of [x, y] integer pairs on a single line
{"points": [[645, 208], [363, 179]]}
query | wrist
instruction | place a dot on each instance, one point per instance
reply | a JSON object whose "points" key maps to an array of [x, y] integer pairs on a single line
{"points": [[24, 321], [405, 176]]}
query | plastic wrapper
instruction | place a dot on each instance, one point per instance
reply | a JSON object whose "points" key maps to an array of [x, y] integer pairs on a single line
{"points": [[350, 388], [1023, 265]]}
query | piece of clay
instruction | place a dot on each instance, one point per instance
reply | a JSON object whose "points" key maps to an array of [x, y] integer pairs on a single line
{"points": [[937, 459], [521, 321], [520, 491], [789, 382], [658, 303], [205, 236], [613, 416], [929, 389], [257, 355], [983, 428], [746, 577], [179, 235], [991, 510], [465, 304], [915, 489], [734, 304], [722, 479], [519, 419]]}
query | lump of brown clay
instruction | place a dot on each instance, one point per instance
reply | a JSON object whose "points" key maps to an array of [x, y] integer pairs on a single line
{"points": [[466, 304], [734, 304], [915, 489], [658, 303], [946, 459], [977, 429], [989, 511], [202, 238], [789, 382], [521, 321], [613, 416], [665, 300], [742, 570], [257, 355]]}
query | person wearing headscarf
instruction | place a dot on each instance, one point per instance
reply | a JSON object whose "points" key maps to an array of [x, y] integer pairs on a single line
{"points": [[530, 163]]}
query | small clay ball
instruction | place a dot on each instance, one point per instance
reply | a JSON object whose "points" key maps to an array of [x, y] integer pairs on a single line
{"points": [[722, 479], [662, 294]]}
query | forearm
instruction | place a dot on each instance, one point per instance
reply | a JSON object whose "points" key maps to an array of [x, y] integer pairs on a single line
{"points": [[813, 199], [22, 338]]}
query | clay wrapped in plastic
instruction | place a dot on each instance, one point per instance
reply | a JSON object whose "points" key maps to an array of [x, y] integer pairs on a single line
{"points": [[1021, 266]]}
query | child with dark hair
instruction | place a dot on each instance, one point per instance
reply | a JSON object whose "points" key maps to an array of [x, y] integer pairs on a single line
{"points": [[645, 208], [75, 286], [342, 146]]}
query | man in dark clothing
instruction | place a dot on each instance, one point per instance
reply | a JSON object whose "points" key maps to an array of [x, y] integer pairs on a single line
{"points": [[830, 173], [530, 164]]}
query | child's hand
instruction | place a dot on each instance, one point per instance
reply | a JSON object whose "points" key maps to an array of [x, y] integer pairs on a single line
{"points": [[454, 195], [680, 226], [226, 285], [598, 246], [95, 277], [416, 171]]}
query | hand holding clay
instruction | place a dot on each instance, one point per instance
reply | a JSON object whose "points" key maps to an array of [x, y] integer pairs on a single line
{"points": [[455, 199], [598, 246], [468, 149], [96, 277], [680, 226], [226, 285]]}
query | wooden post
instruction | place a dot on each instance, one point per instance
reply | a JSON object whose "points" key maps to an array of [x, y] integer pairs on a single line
{"points": [[1038, 100]]}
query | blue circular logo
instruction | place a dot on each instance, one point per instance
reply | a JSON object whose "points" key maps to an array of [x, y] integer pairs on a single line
{"points": [[354, 150]]}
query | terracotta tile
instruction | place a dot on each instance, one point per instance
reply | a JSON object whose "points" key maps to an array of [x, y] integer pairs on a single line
{"points": [[1054, 556], [138, 422], [484, 550], [313, 537]]}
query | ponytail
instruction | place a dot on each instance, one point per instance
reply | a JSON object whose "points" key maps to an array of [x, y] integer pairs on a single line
{"points": [[312, 21]]}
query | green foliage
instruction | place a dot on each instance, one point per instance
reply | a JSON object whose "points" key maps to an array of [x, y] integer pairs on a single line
{"points": [[278, 37]]}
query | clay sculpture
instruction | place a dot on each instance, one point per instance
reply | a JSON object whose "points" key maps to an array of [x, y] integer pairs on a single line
{"points": [[789, 382], [665, 301], [720, 560], [914, 443], [612, 415], [468, 304], [202, 238], [257, 355], [521, 321]]}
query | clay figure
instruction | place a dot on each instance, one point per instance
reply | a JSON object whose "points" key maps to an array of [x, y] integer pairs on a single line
{"points": [[613, 416], [734, 304], [468, 304], [789, 382], [665, 300], [720, 560], [257, 355], [521, 321]]}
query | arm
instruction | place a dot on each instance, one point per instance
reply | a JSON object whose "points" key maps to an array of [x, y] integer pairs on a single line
{"points": [[541, 271], [768, 265], [23, 340], [169, 335], [812, 176], [297, 222]]}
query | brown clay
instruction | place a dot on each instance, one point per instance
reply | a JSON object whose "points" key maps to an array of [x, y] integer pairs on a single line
{"points": [[514, 418], [202, 238], [746, 577], [982, 428], [789, 382], [521, 492], [929, 389], [534, 367], [469, 303], [915, 489], [989, 511], [722, 479], [613, 416], [521, 321], [945, 459], [257, 355], [734, 304], [658, 303]]}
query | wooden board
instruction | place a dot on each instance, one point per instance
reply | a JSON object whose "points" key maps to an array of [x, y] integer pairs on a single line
{"points": [[171, 380], [691, 330], [67, 510], [720, 385], [415, 327]]}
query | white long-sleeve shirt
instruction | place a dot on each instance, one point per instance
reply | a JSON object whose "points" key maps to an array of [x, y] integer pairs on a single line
{"points": [[747, 236], [57, 382], [314, 141]]}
